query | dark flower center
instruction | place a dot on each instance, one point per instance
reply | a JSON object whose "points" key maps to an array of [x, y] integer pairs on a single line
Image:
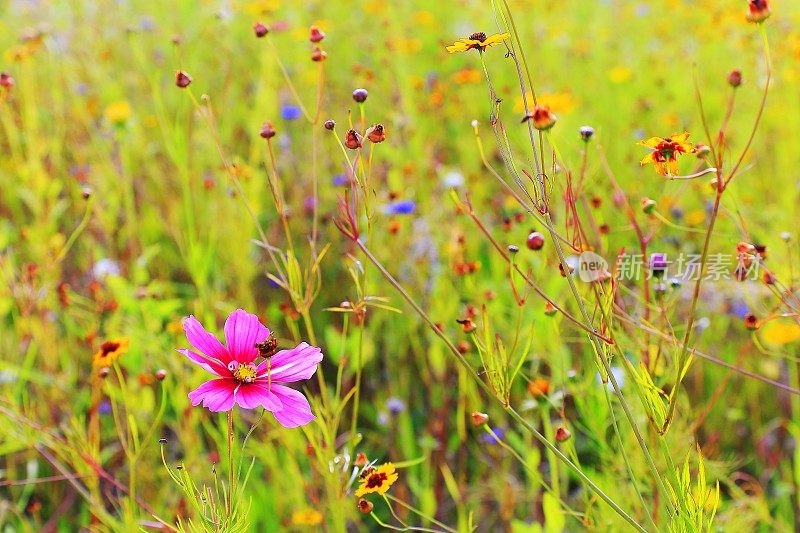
{"points": [[478, 36], [376, 480], [109, 347]]}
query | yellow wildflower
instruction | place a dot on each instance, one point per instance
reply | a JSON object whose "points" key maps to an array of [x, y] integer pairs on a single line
{"points": [[477, 41], [377, 480], [109, 352]]}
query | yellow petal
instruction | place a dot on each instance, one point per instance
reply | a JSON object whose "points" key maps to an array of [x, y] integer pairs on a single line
{"points": [[680, 137], [652, 142], [457, 47], [496, 38], [649, 158], [781, 332]]}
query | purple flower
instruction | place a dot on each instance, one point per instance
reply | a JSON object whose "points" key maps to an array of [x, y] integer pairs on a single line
{"points": [[340, 180], [488, 438], [291, 112], [395, 405], [400, 207]]}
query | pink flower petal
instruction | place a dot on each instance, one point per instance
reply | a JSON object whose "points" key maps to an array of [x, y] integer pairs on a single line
{"points": [[209, 365], [251, 395], [242, 332], [296, 411], [216, 395], [287, 366], [205, 341]]}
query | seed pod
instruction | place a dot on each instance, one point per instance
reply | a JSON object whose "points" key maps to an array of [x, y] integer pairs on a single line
{"points": [[360, 95], [267, 130], [478, 418], [260, 29], [182, 79], [535, 241]]}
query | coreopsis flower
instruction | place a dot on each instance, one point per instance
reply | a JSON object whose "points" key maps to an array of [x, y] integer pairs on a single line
{"points": [[315, 34], [377, 480], [477, 41], [109, 352], [376, 134], [758, 10], [240, 380], [665, 152]]}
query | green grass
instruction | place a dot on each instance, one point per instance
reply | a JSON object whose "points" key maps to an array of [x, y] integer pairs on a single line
{"points": [[185, 194]]}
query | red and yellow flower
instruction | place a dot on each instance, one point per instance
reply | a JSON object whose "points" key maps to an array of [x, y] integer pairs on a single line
{"points": [[377, 480], [665, 152]]}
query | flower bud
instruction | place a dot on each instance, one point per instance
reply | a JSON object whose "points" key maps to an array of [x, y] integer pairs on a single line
{"points": [[315, 34], [86, 193], [365, 506], [562, 434], [260, 29], [161, 374], [535, 241], [542, 118], [751, 322], [182, 79], [329, 125], [361, 459], [318, 54], [539, 387], [6, 81], [467, 325], [735, 78], [758, 10], [352, 140], [513, 249], [550, 309], [360, 95], [586, 133], [648, 205], [463, 347], [267, 130], [103, 372], [658, 264], [478, 418], [162, 440], [376, 134]]}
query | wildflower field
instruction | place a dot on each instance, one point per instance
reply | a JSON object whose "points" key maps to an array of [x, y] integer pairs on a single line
{"points": [[464, 265]]}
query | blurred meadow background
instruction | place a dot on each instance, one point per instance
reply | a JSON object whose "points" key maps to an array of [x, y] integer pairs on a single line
{"points": [[128, 203]]}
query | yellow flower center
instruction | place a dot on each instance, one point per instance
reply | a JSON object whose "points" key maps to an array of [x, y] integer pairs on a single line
{"points": [[245, 372]]}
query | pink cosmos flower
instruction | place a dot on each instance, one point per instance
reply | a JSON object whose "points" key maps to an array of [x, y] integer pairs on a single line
{"points": [[240, 379]]}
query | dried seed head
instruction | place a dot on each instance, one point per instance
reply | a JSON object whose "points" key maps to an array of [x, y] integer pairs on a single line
{"points": [[182, 79], [365, 506], [535, 240], [360, 95], [569, 270], [318, 54], [260, 29], [562, 434], [352, 140], [329, 125], [268, 347], [478, 418], [648, 205], [161, 374], [550, 309], [315, 34], [376, 134], [267, 130], [463, 347], [735, 78], [751, 322], [542, 118], [586, 133]]}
